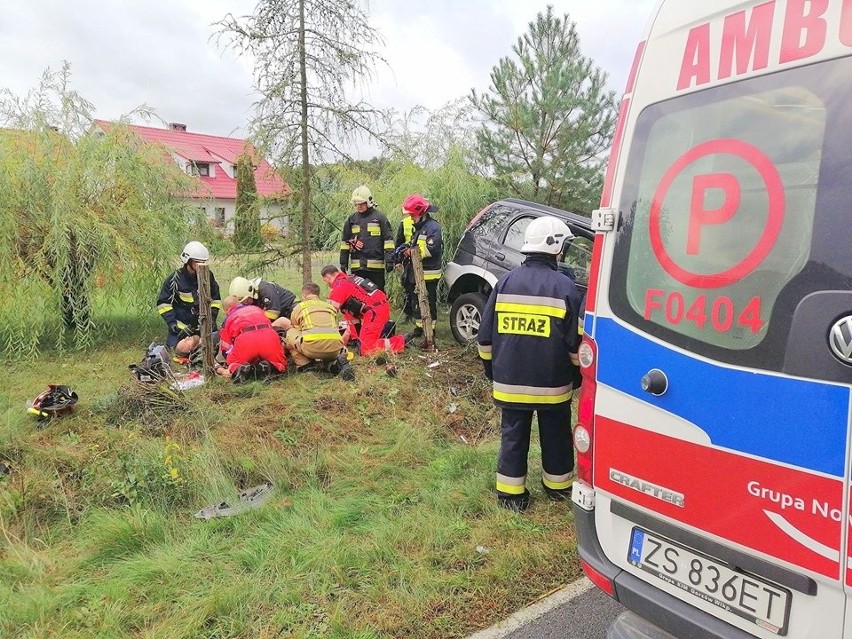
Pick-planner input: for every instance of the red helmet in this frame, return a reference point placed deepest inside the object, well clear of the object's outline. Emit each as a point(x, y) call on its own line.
point(416, 205)
point(56, 400)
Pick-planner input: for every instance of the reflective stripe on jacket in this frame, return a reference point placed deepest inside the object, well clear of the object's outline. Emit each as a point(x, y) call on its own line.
point(315, 319)
point(528, 334)
point(427, 236)
point(177, 302)
point(373, 229)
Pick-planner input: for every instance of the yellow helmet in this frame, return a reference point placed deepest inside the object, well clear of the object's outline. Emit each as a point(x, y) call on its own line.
point(240, 288)
point(362, 195)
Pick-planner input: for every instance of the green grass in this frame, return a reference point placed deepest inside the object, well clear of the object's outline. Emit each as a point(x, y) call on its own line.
point(373, 531)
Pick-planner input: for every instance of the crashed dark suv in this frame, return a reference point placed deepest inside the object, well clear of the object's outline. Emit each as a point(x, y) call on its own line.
point(491, 246)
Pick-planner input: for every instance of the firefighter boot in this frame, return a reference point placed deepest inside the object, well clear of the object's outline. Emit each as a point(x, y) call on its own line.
point(553, 494)
point(244, 373)
point(413, 335)
point(515, 503)
point(347, 373)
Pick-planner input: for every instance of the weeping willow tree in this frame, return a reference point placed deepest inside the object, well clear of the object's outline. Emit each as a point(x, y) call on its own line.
point(85, 221)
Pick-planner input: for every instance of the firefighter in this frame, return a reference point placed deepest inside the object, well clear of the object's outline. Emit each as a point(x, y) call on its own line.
point(403, 241)
point(252, 348)
point(360, 299)
point(178, 300)
point(528, 343)
point(313, 336)
point(276, 301)
point(426, 236)
point(367, 240)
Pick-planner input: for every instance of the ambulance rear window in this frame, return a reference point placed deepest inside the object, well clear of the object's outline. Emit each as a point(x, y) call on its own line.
point(719, 209)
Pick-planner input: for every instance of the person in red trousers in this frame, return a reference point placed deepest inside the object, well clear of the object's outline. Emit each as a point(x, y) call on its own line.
point(247, 340)
point(359, 298)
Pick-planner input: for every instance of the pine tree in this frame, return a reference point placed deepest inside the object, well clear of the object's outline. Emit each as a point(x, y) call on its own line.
point(547, 118)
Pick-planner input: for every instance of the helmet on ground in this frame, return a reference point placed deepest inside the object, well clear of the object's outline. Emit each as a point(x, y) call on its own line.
point(56, 400)
point(362, 195)
point(196, 252)
point(546, 234)
point(240, 288)
point(416, 205)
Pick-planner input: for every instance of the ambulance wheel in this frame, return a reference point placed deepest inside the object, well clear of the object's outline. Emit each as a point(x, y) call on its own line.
point(466, 316)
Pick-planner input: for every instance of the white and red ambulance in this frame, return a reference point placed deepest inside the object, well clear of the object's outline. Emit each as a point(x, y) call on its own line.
point(713, 439)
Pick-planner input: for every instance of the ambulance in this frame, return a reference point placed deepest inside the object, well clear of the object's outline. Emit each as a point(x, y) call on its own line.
point(713, 430)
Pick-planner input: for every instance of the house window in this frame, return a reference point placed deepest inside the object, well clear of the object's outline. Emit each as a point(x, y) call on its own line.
point(219, 217)
point(198, 168)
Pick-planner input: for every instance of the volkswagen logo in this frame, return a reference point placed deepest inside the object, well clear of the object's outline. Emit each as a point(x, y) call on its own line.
point(840, 339)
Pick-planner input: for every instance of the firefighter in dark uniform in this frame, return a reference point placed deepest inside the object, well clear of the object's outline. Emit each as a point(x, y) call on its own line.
point(409, 294)
point(528, 343)
point(177, 303)
point(426, 237)
point(367, 240)
point(276, 301)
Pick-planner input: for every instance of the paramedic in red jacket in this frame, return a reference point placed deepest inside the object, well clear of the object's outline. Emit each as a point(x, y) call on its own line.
point(247, 337)
point(361, 299)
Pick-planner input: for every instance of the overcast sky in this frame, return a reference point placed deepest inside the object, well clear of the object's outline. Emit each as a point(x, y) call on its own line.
point(127, 52)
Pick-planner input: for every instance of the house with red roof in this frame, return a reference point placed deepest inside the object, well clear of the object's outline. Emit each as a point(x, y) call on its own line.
point(212, 159)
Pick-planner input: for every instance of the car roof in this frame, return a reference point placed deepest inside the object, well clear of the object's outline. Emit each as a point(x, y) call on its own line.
point(574, 218)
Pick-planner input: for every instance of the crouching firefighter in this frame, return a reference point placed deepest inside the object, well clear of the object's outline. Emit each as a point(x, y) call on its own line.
point(313, 338)
point(177, 302)
point(276, 301)
point(359, 298)
point(528, 344)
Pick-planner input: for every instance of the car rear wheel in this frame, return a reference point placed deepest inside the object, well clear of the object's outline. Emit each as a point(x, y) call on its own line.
point(466, 315)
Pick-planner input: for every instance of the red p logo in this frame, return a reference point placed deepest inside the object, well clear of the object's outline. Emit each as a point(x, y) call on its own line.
point(699, 216)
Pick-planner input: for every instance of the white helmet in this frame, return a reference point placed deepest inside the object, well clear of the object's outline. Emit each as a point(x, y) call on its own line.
point(240, 288)
point(196, 252)
point(546, 234)
point(362, 195)
point(254, 288)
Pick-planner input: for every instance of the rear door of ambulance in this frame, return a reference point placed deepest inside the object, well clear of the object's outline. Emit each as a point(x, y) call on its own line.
point(722, 317)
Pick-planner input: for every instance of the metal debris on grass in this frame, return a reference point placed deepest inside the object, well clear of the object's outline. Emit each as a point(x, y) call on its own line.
point(249, 499)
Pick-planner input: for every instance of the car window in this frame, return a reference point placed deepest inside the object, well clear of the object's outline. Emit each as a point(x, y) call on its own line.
point(515, 233)
point(491, 220)
point(578, 256)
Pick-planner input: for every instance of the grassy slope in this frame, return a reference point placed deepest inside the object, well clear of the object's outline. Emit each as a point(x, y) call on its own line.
point(383, 497)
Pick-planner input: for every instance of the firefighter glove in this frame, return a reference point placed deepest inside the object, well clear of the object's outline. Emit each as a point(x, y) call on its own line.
point(388, 267)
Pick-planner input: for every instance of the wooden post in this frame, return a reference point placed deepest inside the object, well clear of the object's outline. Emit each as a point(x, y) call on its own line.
point(205, 321)
point(422, 298)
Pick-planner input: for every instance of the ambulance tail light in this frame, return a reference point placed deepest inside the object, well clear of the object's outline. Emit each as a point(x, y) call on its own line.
point(584, 431)
point(599, 579)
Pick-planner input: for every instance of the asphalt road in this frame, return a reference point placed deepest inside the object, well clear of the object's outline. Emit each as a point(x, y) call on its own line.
point(586, 616)
point(578, 611)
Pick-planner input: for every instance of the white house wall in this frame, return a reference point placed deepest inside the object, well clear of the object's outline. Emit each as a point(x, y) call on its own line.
point(269, 214)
